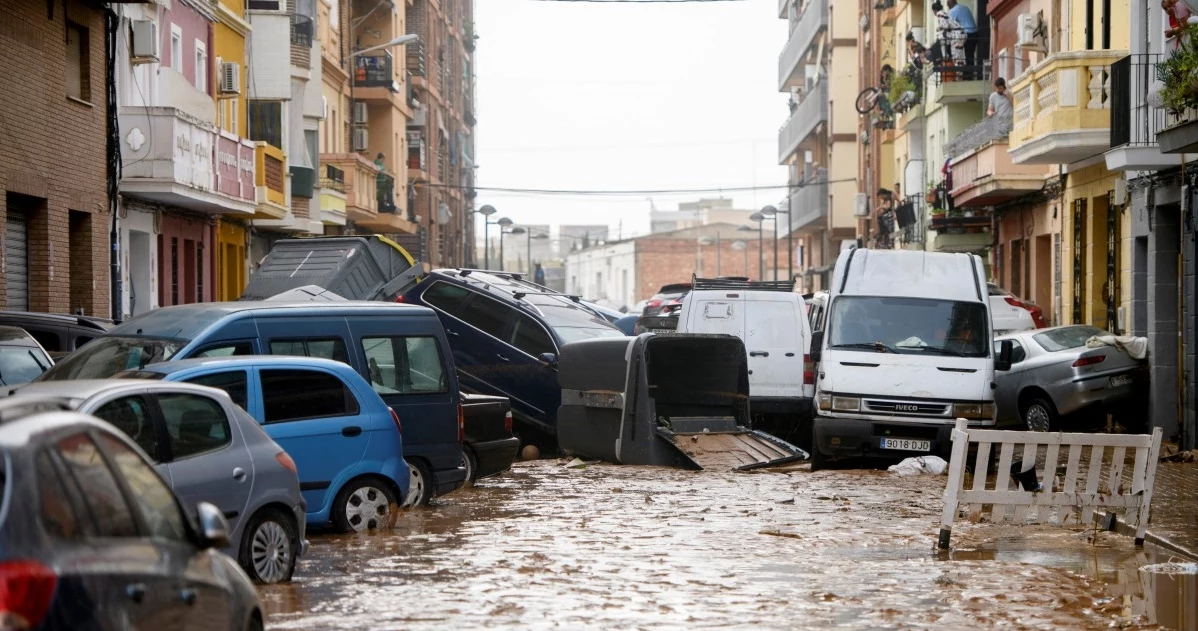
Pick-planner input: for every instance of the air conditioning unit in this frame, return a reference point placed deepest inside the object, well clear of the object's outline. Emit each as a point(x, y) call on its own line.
point(144, 43)
point(1028, 31)
point(861, 209)
point(361, 139)
point(359, 112)
point(230, 78)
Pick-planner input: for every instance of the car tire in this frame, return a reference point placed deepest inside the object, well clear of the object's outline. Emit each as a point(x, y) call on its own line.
point(470, 462)
point(420, 489)
point(817, 458)
point(255, 623)
point(268, 547)
point(364, 504)
point(1039, 414)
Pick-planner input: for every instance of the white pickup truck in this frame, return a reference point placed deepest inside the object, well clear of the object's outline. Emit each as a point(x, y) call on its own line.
point(902, 351)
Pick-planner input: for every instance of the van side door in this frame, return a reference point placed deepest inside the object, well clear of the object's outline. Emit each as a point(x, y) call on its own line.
point(772, 339)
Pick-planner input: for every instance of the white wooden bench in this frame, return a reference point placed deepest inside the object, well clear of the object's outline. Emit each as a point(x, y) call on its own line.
point(1060, 500)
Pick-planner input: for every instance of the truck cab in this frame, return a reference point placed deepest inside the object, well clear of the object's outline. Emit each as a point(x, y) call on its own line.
point(903, 349)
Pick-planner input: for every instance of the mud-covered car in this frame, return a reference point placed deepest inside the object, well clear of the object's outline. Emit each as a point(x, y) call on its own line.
point(489, 446)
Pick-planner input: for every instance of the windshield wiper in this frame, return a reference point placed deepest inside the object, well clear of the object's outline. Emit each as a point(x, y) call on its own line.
point(942, 350)
point(873, 346)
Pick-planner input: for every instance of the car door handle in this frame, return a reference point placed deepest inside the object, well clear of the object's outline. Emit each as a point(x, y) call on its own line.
point(790, 354)
point(759, 354)
point(239, 474)
point(501, 358)
point(351, 431)
point(136, 592)
point(188, 596)
point(451, 333)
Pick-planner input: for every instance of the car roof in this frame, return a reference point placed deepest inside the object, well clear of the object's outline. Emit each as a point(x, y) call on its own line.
point(509, 286)
point(15, 335)
point(170, 367)
point(23, 417)
point(187, 321)
point(674, 288)
point(79, 390)
point(65, 319)
point(1031, 332)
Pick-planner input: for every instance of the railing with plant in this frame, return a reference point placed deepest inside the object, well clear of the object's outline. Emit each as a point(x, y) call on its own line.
point(1179, 73)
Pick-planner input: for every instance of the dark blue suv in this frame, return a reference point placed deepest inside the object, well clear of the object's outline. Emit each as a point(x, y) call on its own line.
point(505, 333)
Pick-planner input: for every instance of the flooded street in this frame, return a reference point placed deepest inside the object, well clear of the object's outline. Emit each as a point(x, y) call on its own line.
point(620, 547)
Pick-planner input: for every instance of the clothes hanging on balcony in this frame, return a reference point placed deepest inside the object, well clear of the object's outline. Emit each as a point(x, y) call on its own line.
point(905, 213)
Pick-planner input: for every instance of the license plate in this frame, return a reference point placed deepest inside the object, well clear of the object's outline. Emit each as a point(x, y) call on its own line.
point(1120, 380)
point(661, 330)
point(906, 444)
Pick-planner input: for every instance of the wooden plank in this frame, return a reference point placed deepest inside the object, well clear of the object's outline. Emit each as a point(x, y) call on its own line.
point(956, 477)
point(1093, 476)
point(1014, 498)
point(1029, 460)
point(998, 514)
point(1060, 438)
point(1114, 481)
point(1075, 456)
point(1154, 455)
point(1050, 478)
point(980, 471)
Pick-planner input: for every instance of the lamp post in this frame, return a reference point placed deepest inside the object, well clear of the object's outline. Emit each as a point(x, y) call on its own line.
point(486, 211)
point(503, 224)
point(702, 241)
point(770, 211)
point(760, 219)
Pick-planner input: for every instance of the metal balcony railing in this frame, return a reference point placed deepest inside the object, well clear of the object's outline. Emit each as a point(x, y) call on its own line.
point(374, 71)
point(975, 136)
point(809, 113)
point(813, 20)
point(333, 178)
point(1133, 122)
point(808, 202)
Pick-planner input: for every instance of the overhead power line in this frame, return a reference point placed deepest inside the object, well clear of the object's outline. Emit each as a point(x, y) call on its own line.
point(660, 191)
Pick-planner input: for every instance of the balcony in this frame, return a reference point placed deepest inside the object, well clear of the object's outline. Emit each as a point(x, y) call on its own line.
point(809, 24)
point(809, 206)
point(957, 84)
point(270, 181)
point(961, 233)
point(390, 218)
point(360, 183)
point(1063, 108)
point(983, 173)
point(806, 118)
point(375, 71)
point(1142, 136)
point(173, 158)
point(332, 196)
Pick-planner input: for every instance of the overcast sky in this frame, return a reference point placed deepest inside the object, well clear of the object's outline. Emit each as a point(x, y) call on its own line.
point(622, 95)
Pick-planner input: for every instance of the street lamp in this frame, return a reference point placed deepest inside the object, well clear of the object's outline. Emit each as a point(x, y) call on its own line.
point(760, 219)
point(398, 41)
point(531, 236)
point(486, 211)
point(705, 240)
point(770, 211)
point(503, 224)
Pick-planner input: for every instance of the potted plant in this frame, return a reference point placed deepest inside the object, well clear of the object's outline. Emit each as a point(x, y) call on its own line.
point(1179, 73)
point(956, 212)
point(900, 85)
point(937, 213)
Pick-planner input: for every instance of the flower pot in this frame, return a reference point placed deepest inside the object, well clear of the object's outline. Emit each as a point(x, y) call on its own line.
point(930, 198)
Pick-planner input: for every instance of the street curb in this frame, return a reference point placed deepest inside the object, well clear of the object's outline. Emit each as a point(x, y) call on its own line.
point(1151, 537)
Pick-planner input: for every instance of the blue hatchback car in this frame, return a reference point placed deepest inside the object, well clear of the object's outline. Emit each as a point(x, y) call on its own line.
point(346, 442)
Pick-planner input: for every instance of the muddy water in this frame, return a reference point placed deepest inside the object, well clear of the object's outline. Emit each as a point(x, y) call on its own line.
point(610, 547)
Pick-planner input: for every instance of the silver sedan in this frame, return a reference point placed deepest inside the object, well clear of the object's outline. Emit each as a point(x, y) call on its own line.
point(1054, 374)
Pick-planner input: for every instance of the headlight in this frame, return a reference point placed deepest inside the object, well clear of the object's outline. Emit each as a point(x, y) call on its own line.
point(846, 404)
point(973, 411)
point(824, 401)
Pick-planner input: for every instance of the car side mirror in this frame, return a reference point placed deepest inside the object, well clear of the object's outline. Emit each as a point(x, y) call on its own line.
point(1005, 350)
point(817, 345)
point(549, 359)
point(214, 529)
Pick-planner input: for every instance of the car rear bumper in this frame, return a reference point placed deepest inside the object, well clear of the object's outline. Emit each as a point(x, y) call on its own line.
point(301, 520)
point(494, 456)
point(1095, 390)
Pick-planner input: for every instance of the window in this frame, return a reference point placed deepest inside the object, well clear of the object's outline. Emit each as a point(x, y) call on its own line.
point(328, 348)
point(292, 395)
point(1065, 338)
point(408, 365)
point(195, 424)
point(49, 340)
point(110, 355)
point(266, 122)
point(177, 48)
point(21, 364)
point(131, 415)
point(58, 518)
point(486, 315)
point(233, 382)
point(106, 505)
point(201, 70)
point(78, 62)
point(909, 325)
point(157, 503)
point(226, 349)
point(531, 337)
point(334, 15)
point(446, 297)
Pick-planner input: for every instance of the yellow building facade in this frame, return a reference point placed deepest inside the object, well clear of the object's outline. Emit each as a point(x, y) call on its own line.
point(230, 32)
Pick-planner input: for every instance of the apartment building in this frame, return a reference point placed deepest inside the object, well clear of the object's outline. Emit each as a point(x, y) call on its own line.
point(54, 157)
point(818, 67)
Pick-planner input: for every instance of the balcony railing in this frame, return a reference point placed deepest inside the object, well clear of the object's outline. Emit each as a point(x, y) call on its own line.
point(810, 113)
point(332, 178)
point(813, 19)
point(1063, 108)
point(1133, 121)
point(374, 71)
point(417, 59)
point(361, 183)
point(809, 203)
point(981, 133)
point(385, 192)
point(271, 174)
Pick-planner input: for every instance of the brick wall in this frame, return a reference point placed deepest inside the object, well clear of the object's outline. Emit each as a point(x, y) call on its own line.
point(52, 157)
point(664, 261)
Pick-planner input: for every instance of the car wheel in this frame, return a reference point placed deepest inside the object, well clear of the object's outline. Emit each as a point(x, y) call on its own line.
point(817, 458)
point(470, 463)
point(362, 505)
point(1040, 415)
point(268, 547)
point(420, 489)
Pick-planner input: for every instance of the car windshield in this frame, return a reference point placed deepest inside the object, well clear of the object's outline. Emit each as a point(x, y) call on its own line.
point(573, 323)
point(1065, 338)
point(108, 355)
point(21, 364)
point(921, 326)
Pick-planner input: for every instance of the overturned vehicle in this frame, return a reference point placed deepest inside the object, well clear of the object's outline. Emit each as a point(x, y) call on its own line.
point(679, 400)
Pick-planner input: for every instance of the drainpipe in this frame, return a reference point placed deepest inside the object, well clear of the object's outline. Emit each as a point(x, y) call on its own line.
point(113, 150)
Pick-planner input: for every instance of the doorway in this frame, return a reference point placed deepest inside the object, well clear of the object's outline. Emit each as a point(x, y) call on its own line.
point(1042, 273)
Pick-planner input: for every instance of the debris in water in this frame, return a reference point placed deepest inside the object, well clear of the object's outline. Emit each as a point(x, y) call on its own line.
point(576, 463)
point(779, 533)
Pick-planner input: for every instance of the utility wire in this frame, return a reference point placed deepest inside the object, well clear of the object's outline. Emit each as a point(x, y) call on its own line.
point(663, 191)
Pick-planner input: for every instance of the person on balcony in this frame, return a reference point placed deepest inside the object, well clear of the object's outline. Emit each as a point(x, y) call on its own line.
point(964, 17)
point(951, 35)
point(1000, 100)
point(1179, 15)
point(915, 51)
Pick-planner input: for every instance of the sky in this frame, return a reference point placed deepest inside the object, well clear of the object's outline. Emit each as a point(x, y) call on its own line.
point(625, 96)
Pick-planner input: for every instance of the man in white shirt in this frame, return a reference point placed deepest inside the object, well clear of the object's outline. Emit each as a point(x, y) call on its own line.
point(1000, 100)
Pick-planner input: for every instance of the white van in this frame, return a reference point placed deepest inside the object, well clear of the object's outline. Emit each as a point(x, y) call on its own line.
point(771, 320)
point(902, 349)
